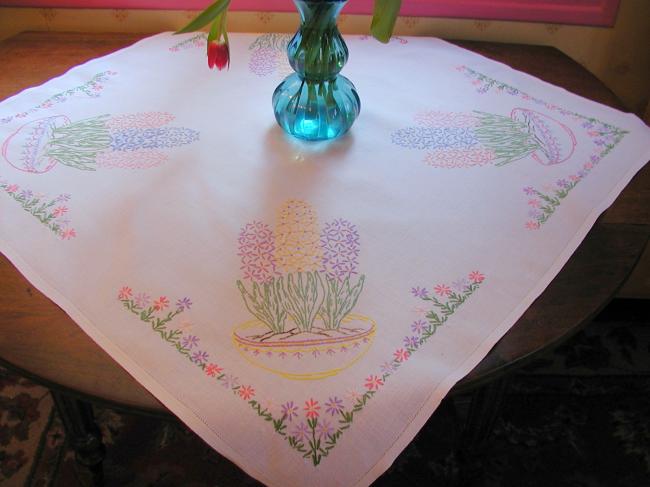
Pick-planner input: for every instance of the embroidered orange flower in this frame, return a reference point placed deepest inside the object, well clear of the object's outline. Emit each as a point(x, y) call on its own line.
point(125, 293)
point(161, 303)
point(246, 392)
point(312, 408)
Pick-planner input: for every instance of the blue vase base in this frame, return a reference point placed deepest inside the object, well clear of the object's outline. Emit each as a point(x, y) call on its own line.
point(316, 110)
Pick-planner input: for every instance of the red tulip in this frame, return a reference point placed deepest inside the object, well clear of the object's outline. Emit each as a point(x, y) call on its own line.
point(218, 55)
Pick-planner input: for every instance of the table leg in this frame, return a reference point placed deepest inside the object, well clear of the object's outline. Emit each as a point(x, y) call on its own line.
point(84, 436)
point(483, 411)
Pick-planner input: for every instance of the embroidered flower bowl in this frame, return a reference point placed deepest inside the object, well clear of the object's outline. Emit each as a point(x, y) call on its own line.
point(26, 149)
point(311, 355)
point(556, 140)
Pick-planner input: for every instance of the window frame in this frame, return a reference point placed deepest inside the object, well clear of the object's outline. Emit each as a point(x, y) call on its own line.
point(577, 12)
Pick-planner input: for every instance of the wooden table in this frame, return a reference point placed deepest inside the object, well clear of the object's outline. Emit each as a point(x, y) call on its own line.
point(41, 341)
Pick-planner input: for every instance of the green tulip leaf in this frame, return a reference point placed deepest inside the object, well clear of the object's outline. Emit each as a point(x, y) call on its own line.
point(205, 17)
point(383, 19)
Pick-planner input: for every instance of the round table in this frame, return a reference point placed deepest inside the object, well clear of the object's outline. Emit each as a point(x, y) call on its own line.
point(40, 341)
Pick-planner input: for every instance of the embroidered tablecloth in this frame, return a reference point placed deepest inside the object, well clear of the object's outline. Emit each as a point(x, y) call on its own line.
point(303, 307)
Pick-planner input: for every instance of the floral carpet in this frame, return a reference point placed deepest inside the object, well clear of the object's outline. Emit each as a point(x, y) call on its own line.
point(579, 416)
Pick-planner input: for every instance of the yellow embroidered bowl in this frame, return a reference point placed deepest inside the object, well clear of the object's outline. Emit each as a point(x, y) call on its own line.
point(311, 355)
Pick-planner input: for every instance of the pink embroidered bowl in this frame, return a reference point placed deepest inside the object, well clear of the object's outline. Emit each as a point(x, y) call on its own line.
point(556, 140)
point(310, 355)
point(26, 148)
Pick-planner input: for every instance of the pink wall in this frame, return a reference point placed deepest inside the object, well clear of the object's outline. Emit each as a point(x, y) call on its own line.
point(581, 12)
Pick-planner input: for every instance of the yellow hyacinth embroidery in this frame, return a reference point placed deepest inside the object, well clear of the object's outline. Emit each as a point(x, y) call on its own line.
point(297, 238)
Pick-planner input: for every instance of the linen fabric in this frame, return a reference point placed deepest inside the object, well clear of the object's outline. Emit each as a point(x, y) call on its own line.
point(303, 307)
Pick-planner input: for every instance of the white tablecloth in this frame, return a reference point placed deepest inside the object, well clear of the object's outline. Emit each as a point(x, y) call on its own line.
point(303, 307)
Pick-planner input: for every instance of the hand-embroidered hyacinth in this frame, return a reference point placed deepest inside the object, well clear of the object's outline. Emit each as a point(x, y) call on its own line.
point(340, 243)
point(257, 252)
point(92, 89)
point(125, 141)
point(51, 212)
point(543, 202)
point(464, 140)
point(313, 426)
point(302, 295)
point(269, 55)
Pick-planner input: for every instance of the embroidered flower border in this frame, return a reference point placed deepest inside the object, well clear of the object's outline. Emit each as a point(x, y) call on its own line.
point(604, 136)
point(50, 212)
point(91, 88)
point(314, 435)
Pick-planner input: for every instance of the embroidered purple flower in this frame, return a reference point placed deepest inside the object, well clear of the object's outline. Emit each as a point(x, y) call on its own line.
point(26, 194)
point(594, 158)
point(418, 326)
point(387, 367)
point(582, 173)
point(324, 429)
point(411, 342)
point(563, 183)
point(460, 286)
point(183, 304)
point(534, 213)
point(420, 292)
point(529, 190)
point(257, 252)
point(200, 357)
point(339, 241)
point(229, 381)
point(63, 197)
point(301, 432)
point(142, 300)
point(334, 405)
point(190, 341)
point(289, 411)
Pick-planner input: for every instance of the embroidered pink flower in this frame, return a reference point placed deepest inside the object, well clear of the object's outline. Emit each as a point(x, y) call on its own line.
point(476, 277)
point(161, 303)
point(125, 293)
point(311, 408)
point(12, 188)
point(246, 392)
point(373, 382)
point(289, 410)
point(212, 370)
point(535, 203)
point(60, 211)
point(68, 234)
point(401, 355)
point(531, 225)
point(142, 300)
point(442, 290)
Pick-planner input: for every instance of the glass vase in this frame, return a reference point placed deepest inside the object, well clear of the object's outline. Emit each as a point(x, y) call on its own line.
point(316, 102)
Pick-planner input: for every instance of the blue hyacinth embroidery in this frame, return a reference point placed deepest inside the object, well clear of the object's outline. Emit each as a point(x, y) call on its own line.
point(131, 141)
point(479, 138)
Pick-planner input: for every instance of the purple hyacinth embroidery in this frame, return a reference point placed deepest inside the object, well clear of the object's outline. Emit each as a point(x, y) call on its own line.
point(257, 252)
point(258, 265)
point(340, 243)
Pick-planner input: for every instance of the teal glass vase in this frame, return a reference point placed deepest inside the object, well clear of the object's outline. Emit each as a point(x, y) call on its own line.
point(316, 102)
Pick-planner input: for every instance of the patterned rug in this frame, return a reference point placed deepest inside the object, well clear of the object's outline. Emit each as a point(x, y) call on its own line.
point(579, 416)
